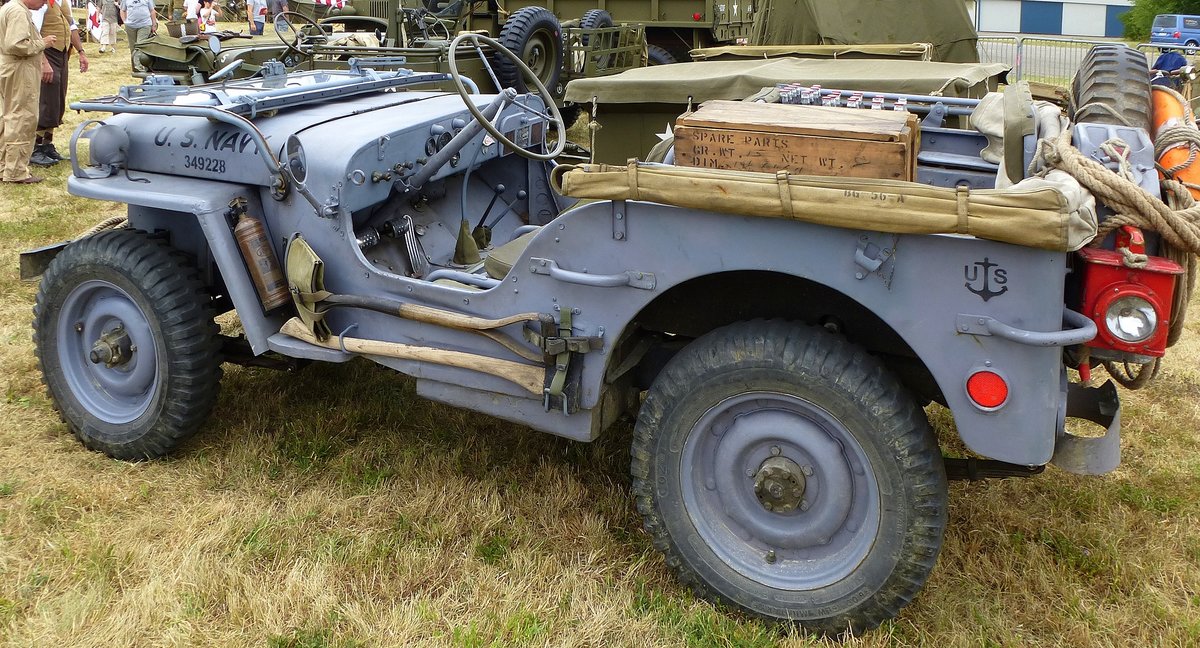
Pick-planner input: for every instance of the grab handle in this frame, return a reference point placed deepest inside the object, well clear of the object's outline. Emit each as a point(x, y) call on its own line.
point(1082, 330)
point(631, 278)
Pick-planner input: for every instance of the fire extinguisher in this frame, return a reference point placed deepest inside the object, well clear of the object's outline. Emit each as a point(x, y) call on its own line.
point(259, 256)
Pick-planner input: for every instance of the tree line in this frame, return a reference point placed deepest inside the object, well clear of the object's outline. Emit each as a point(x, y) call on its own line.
point(1139, 18)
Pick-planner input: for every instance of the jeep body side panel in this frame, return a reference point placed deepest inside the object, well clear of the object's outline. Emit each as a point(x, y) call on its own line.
point(921, 289)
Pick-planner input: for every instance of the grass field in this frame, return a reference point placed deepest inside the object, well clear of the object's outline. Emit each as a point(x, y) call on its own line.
point(334, 508)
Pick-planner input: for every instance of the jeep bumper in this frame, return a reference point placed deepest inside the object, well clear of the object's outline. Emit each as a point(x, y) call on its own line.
point(1091, 455)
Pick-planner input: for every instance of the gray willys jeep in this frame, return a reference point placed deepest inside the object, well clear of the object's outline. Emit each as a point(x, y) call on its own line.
point(777, 367)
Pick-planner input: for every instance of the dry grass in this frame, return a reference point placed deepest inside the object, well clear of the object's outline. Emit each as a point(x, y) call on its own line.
point(334, 508)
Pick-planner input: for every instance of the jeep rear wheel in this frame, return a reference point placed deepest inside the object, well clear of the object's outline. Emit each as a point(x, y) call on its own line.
point(783, 470)
point(125, 337)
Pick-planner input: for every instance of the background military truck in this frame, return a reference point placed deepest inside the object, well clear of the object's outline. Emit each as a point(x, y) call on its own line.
point(673, 27)
point(776, 336)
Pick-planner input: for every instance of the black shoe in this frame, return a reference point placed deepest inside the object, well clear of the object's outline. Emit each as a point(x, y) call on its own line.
point(39, 158)
point(51, 152)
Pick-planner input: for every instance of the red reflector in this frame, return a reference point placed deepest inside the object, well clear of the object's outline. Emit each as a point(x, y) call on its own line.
point(699, 16)
point(987, 389)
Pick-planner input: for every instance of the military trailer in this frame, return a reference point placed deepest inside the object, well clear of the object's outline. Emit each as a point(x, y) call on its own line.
point(775, 334)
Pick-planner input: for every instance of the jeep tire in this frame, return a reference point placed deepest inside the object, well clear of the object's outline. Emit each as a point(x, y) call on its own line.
point(534, 35)
point(785, 471)
point(656, 55)
point(124, 334)
point(1112, 87)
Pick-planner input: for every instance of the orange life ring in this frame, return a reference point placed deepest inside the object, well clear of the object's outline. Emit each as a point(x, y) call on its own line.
point(1167, 110)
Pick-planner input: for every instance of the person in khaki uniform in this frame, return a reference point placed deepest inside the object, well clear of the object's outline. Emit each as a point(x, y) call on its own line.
point(20, 70)
point(56, 20)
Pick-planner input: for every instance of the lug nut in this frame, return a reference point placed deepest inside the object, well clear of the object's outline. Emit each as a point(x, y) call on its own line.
point(804, 505)
point(807, 470)
point(770, 556)
point(775, 451)
point(79, 327)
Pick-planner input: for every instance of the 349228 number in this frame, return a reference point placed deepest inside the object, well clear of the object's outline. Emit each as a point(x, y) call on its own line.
point(201, 163)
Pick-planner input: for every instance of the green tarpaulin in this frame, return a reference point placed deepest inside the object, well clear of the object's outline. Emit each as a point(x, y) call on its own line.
point(701, 81)
point(945, 23)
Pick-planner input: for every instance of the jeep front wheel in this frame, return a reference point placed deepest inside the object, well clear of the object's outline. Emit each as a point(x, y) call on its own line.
point(125, 337)
point(783, 470)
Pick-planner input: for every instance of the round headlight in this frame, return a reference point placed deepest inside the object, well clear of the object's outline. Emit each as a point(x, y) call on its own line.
point(294, 159)
point(1131, 319)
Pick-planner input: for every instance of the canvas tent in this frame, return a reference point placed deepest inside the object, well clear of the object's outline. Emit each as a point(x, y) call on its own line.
point(945, 23)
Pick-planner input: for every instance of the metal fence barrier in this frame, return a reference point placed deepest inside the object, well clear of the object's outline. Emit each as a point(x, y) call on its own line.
point(1000, 49)
point(1154, 50)
point(1049, 60)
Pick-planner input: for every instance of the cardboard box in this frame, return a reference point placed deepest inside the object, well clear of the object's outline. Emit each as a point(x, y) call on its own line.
point(808, 140)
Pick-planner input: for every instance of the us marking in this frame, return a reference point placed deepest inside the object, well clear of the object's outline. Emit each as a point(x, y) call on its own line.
point(982, 275)
point(218, 140)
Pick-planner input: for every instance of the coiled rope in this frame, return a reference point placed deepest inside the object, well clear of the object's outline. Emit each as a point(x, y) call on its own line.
point(106, 224)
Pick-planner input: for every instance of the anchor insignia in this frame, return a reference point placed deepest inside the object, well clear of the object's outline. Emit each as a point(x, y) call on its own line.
point(982, 275)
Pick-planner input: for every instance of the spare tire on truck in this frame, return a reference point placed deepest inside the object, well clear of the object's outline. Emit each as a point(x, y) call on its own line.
point(534, 35)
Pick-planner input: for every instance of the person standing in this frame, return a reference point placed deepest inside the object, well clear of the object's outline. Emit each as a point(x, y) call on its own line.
point(191, 8)
point(140, 21)
point(275, 8)
point(109, 10)
point(256, 16)
point(20, 64)
point(206, 16)
point(56, 21)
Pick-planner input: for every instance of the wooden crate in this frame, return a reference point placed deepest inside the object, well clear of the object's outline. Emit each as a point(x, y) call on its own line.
point(809, 140)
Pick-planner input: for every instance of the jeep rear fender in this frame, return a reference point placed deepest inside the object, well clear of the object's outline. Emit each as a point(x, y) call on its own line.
point(919, 287)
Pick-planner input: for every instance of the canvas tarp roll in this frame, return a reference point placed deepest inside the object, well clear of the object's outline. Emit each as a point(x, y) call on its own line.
point(908, 51)
point(1052, 213)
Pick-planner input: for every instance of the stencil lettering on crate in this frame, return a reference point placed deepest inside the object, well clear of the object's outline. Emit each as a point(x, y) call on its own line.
point(768, 153)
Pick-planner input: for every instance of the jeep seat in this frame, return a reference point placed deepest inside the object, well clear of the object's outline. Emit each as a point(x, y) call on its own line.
point(501, 260)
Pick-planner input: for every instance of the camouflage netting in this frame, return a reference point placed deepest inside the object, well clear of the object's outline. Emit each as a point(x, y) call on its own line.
point(945, 23)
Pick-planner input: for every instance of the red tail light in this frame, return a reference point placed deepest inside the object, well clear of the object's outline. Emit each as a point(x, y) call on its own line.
point(1131, 306)
point(987, 389)
point(1175, 35)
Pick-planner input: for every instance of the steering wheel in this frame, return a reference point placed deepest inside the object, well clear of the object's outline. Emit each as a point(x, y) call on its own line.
point(553, 120)
point(299, 43)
